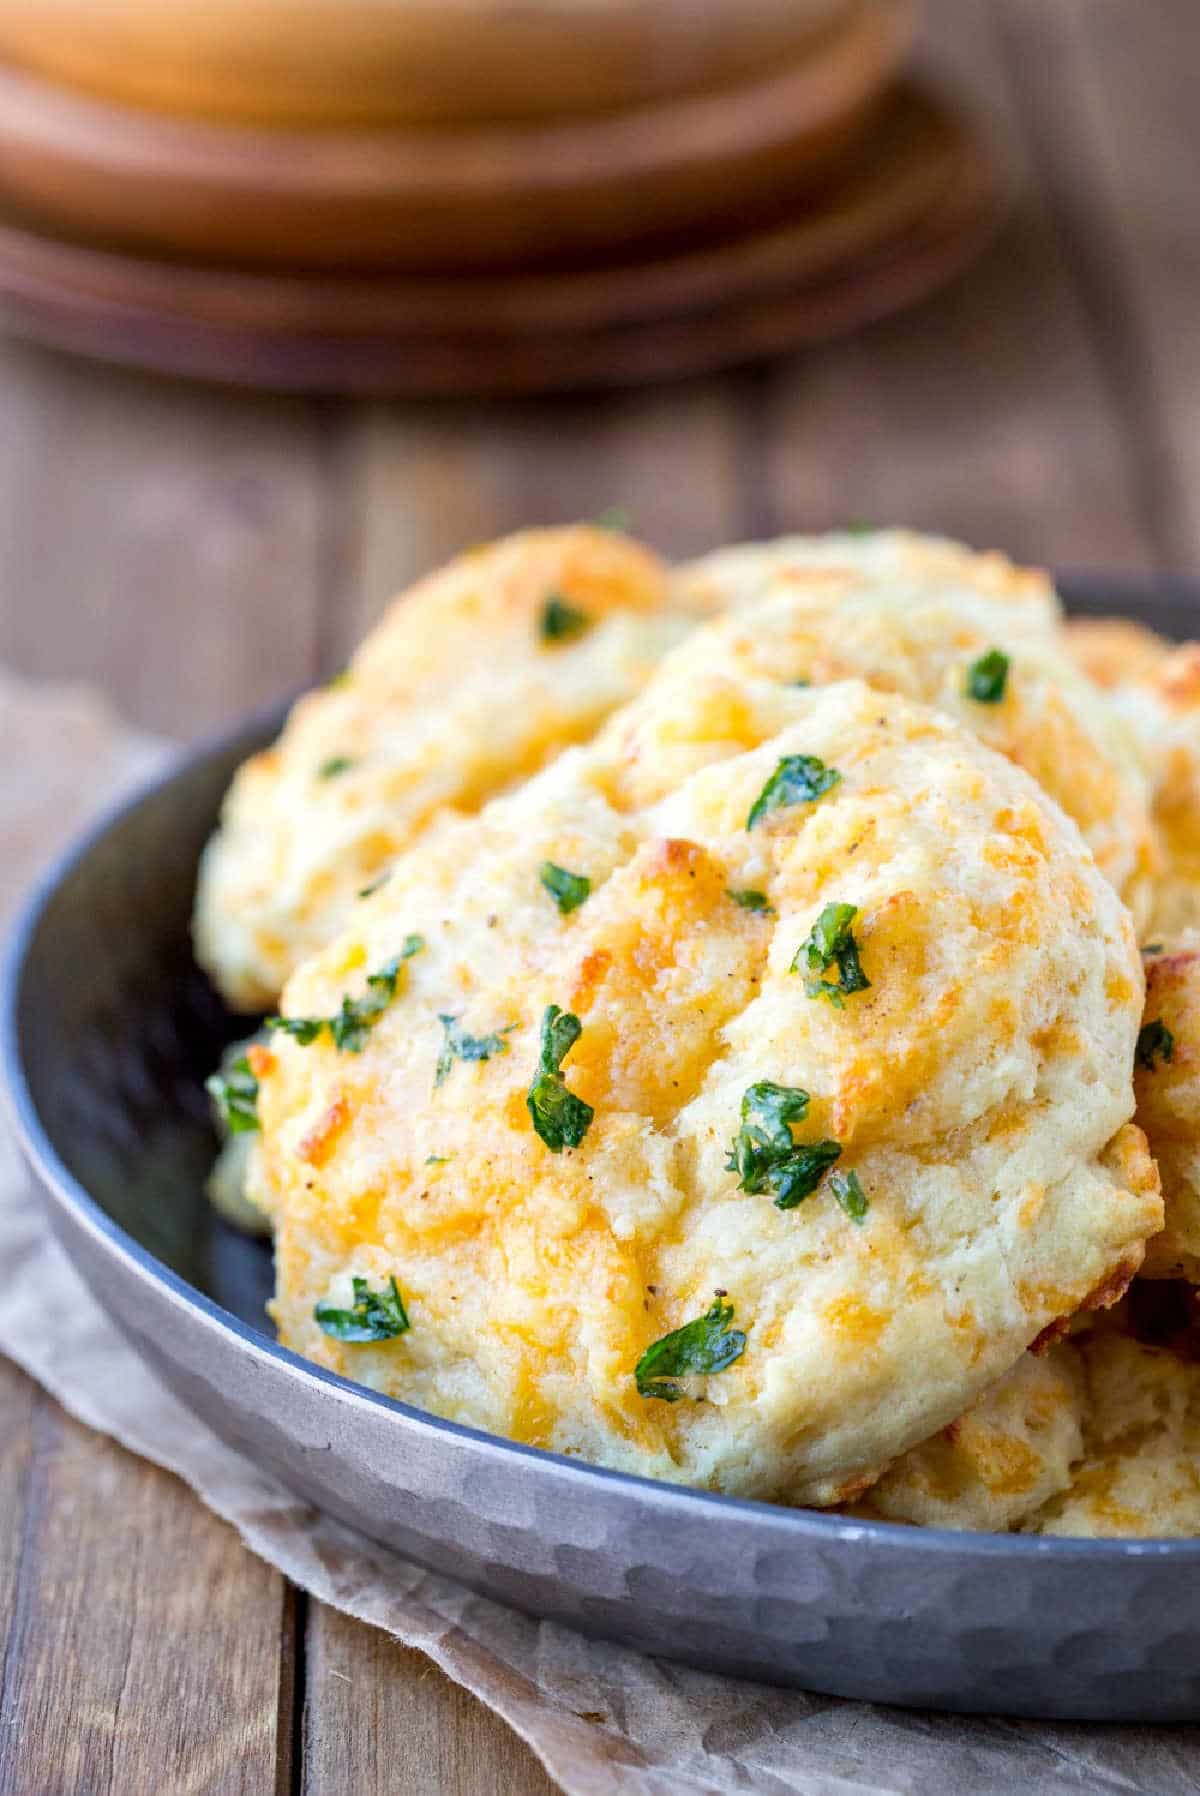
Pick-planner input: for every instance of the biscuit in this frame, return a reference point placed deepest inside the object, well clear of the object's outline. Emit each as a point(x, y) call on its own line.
point(558, 1201)
point(1155, 688)
point(925, 632)
point(471, 681)
point(1001, 1462)
point(1140, 1472)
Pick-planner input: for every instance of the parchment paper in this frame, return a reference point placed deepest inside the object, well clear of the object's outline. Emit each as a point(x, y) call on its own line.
point(604, 1721)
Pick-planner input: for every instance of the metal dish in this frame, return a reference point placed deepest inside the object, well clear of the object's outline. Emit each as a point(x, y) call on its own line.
point(108, 1030)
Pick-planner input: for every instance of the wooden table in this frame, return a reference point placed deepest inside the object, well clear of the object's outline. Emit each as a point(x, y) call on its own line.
point(196, 552)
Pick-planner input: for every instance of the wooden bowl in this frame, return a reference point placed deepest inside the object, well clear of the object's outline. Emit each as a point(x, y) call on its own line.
point(496, 195)
point(331, 63)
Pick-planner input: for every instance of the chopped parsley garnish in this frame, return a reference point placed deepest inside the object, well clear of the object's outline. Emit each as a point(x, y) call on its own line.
point(304, 1029)
point(560, 621)
point(340, 678)
point(357, 1016)
point(1154, 1039)
point(614, 517)
point(437, 1159)
point(850, 1194)
point(329, 770)
point(859, 527)
point(831, 943)
point(559, 1117)
point(1153, 948)
point(375, 886)
point(235, 1092)
point(798, 779)
point(763, 1153)
point(458, 1045)
point(568, 890)
point(987, 677)
point(706, 1345)
point(376, 1315)
point(750, 900)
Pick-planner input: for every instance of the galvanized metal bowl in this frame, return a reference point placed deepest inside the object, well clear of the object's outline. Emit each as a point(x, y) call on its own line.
point(108, 1032)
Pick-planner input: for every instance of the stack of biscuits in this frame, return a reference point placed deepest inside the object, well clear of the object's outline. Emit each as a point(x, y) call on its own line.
point(739, 1023)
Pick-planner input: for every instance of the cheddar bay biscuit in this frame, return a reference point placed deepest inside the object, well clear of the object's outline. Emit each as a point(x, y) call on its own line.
point(736, 1113)
point(1154, 687)
point(471, 681)
point(1139, 1475)
point(968, 634)
point(998, 1464)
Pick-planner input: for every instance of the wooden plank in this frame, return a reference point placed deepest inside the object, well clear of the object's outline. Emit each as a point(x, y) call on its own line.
point(986, 412)
point(429, 481)
point(161, 538)
point(143, 1641)
point(1109, 94)
point(383, 1718)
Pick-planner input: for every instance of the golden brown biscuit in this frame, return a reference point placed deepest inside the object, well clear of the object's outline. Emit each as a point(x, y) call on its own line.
point(471, 681)
point(972, 1089)
point(924, 566)
point(1115, 650)
point(929, 635)
point(998, 1464)
point(1167, 1085)
point(1140, 1471)
point(1156, 689)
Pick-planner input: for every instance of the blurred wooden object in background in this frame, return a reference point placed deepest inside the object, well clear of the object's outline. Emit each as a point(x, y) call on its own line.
point(675, 233)
point(330, 63)
point(476, 196)
point(911, 207)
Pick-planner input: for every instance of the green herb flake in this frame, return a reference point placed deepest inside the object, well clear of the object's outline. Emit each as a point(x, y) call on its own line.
point(750, 900)
point(763, 1153)
point(1153, 948)
point(437, 1159)
point(235, 1092)
point(706, 1345)
point(376, 885)
point(340, 678)
point(798, 779)
point(375, 1316)
point(615, 518)
point(335, 765)
point(357, 1016)
point(1154, 1040)
point(304, 1029)
point(850, 1194)
point(831, 943)
point(860, 527)
point(988, 677)
point(568, 890)
point(559, 1117)
point(561, 621)
point(458, 1045)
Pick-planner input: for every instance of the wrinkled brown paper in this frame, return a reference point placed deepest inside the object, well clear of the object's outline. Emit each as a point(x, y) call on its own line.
point(605, 1721)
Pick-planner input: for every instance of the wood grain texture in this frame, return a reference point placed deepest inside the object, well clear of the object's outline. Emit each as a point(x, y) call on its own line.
point(1108, 93)
point(381, 1718)
point(143, 1642)
point(160, 539)
point(987, 413)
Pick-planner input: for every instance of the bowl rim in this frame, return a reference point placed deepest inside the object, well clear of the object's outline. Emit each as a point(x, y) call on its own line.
point(62, 1188)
